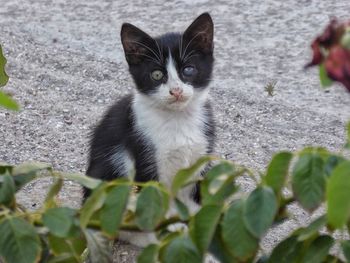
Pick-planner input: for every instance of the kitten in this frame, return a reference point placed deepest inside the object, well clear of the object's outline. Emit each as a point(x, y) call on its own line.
point(167, 123)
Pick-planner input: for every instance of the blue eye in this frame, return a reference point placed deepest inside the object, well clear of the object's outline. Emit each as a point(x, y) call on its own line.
point(189, 71)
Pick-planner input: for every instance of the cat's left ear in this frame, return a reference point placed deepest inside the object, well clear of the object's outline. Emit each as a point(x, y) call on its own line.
point(200, 33)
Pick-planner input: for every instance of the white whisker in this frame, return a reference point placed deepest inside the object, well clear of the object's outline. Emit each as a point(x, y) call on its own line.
point(141, 44)
point(184, 53)
point(144, 55)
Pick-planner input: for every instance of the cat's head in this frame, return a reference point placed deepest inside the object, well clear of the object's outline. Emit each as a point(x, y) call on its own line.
point(173, 70)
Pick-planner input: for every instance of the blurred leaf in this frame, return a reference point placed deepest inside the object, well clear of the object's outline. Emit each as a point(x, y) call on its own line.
point(347, 145)
point(182, 210)
point(309, 181)
point(73, 246)
point(92, 204)
point(236, 237)
point(184, 175)
point(218, 184)
point(7, 102)
point(59, 220)
point(325, 80)
point(63, 258)
point(3, 76)
point(99, 247)
point(84, 180)
point(203, 225)
point(7, 190)
point(219, 250)
point(312, 229)
point(181, 249)
point(338, 201)
point(53, 192)
point(150, 207)
point(332, 162)
point(318, 250)
point(260, 210)
point(286, 251)
point(149, 254)
point(5, 167)
point(113, 209)
point(346, 249)
point(19, 241)
point(277, 171)
point(30, 168)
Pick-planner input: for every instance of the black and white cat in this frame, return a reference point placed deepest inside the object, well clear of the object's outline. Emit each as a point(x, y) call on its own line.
point(167, 123)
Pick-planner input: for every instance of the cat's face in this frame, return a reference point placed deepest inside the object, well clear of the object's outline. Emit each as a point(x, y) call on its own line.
point(173, 70)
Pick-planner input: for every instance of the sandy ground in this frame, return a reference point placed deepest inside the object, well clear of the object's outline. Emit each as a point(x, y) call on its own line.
point(66, 66)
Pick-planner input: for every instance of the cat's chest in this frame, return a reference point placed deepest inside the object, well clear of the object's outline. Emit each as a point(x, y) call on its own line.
point(178, 141)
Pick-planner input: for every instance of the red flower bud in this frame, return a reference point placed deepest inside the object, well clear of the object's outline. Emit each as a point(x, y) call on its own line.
point(337, 65)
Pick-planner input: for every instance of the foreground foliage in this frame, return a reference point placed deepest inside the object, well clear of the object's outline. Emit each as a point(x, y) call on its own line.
point(230, 224)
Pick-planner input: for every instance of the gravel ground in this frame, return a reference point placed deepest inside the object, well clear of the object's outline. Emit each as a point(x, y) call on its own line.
point(66, 66)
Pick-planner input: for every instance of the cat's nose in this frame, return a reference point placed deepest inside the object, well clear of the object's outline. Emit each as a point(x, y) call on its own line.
point(176, 92)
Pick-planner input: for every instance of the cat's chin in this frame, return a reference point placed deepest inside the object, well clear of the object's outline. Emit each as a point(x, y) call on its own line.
point(177, 105)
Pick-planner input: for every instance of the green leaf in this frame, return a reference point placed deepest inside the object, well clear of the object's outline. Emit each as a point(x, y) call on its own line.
point(181, 249)
point(5, 167)
point(287, 251)
point(277, 171)
point(19, 241)
point(113, 209)
point(151, 206)
point(184, 175)
point(312, 229)
point(59, 221)
point(99, 247)
point(149, 254)
point(325, 80)
point(73, 246)
point(309, 180)
point(30, 168)
point(218, 184)
point(7, 102)
point(3, 76)
point(53, 192)
point(235, 236)
point(7, 190)
point(260, 210)
point(92, 204)
point(219, 250)
point(332, 162)
point(203, 225)
point(318, 250)
point(338, 201)
point(182, 210)
point(86, 181)
point(347, 145)
point(345, 245)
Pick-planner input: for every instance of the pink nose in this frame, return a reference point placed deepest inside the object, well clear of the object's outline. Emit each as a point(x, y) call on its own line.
point(176, 92)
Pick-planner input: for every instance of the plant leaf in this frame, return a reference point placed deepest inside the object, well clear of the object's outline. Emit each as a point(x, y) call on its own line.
point(203, 225)
point(59, 220)
point(53, 192)
point(346, 249)
point(7, 102)
point(182, 209)
point(73, 246)
point(99, 247)
point(181, 249)
point(148, 254)
point(318, 250)
point(338, 189)
point(286, 252)
point(219, 250)
point(113, 209)
point(277, 171)
point(84, 180)
point(312, 229)
point(151, 206)
point(235, 236)
point(184, 175)
point(7, 190)
point(309, 180)
point(347, 144)
point(19, 241)
point(260, 210)
point(325, 80)
point(3, 76)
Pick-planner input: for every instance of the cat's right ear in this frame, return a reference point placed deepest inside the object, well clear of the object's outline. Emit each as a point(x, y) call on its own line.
point(135, 42)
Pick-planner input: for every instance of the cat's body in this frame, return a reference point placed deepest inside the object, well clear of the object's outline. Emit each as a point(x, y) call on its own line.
point(167, 123)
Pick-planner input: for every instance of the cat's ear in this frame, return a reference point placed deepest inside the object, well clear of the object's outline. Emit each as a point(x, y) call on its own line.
point(136, 43)
point(200, 33)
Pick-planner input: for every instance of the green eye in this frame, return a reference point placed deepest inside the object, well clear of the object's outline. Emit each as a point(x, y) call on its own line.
point(157, 75)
